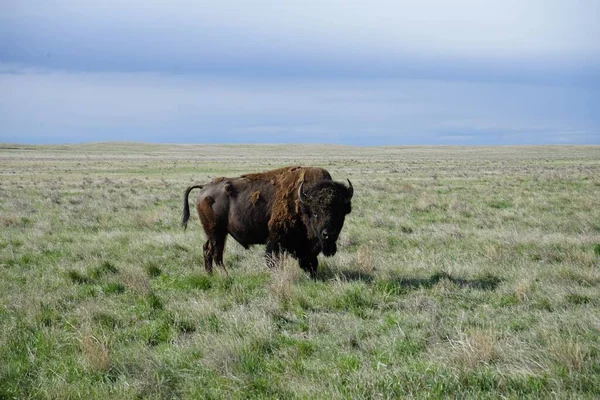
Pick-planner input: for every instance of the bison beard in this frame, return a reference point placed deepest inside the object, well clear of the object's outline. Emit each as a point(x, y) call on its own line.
point(329, 248)
point(298, 210)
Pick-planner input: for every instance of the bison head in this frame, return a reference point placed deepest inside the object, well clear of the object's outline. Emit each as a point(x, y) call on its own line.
point(324, 206)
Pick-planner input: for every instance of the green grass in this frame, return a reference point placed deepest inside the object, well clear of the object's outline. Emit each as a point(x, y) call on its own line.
point(462, 272)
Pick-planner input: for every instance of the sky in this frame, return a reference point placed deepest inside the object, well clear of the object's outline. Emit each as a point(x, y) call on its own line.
point(461, 72)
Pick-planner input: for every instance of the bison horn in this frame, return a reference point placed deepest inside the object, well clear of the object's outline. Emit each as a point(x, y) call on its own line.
point(301, 194)
point(350, 190)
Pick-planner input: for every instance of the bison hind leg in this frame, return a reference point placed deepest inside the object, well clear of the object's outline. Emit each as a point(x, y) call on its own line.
point(218, 254)
point(213, 252)
point(208, 256)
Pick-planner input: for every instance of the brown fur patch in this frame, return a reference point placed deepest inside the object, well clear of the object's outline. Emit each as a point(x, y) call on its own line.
point(207, 215)
point(255, 197)
point(285, 214)
point(272, 175)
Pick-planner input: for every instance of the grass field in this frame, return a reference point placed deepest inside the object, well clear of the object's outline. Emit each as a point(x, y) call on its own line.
point(462, 272)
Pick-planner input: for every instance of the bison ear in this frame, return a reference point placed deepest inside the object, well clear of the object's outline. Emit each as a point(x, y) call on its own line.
point(301, 195)
point(350, 191)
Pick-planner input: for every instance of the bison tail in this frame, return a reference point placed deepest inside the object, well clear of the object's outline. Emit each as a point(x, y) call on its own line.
point(185, 215)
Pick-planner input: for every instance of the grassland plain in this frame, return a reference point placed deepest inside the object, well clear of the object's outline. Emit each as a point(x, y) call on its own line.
point(462, 272)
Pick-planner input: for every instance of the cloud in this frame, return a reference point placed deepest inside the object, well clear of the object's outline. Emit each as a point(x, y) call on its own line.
point(380, 72)
point(541, 27)
point(39, 105)
point(480, 40)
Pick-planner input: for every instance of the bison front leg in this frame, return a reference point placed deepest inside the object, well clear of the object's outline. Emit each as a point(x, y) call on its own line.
point(272, 255)
point(310, 264)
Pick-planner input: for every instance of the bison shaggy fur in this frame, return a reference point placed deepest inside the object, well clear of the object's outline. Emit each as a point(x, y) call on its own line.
point(298, 210)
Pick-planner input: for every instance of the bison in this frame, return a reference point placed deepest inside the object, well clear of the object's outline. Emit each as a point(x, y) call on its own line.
point(299, 210)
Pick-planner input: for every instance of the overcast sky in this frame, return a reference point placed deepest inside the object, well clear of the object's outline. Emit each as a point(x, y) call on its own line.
point(369, 72)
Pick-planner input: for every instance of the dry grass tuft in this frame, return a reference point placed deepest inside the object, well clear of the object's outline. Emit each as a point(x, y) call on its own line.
point(365, 260)
point(347, 240)
point(571, 354)
point(284, 277)
point(422, 302)
point(95, 351)
point(150, 220)
point(498, 254)
point(136, 280)
point(426, 202)
point(523, 290)
point(221, 353)
point(444, 286)
point(9, 220)
point(459, 206)
point(473, 348)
